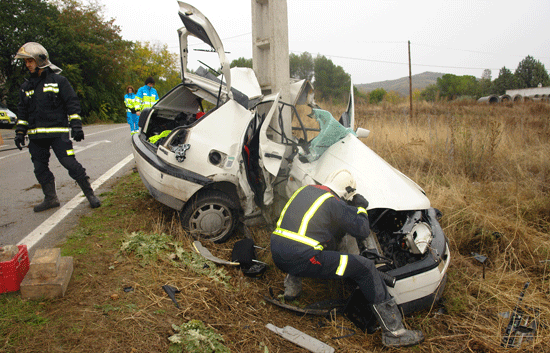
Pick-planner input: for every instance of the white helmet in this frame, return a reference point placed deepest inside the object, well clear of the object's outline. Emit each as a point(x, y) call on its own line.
point(32, 50)
point(342, 183)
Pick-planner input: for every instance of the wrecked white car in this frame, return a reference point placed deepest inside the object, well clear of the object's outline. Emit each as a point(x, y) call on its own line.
point(220, 153)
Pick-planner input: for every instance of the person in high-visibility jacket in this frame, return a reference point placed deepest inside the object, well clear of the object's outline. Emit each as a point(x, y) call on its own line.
point(312, 222)
point(48, 110)
point(146, 96)
point(130, 102)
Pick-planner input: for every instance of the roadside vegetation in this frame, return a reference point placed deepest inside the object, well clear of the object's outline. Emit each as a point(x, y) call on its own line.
point(485, 167)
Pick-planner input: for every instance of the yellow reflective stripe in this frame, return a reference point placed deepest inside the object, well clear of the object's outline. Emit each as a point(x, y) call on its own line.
point(311, 212)
point(342, 266)
point(29, 93)
point(22, 122)
point(301, 235)
point(51, 87)
point(361, 210)
point(299, 238)
point(48, 130)
point(70, 152)
point(288, 204)
point(74, 116)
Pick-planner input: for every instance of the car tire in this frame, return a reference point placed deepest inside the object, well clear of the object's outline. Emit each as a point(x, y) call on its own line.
point(211, 215)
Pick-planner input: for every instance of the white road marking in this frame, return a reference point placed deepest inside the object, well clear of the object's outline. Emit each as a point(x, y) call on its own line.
point(94, 133)
point(36, 235)
point(93, 144)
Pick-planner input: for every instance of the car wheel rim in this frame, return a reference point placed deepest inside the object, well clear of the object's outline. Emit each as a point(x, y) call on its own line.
point(211, 221)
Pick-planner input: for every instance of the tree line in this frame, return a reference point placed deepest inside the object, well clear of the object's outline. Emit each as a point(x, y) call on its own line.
point(90, 50)
point(529, 73)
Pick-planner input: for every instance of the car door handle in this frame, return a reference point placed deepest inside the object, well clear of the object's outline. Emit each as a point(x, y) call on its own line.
point(271, 155)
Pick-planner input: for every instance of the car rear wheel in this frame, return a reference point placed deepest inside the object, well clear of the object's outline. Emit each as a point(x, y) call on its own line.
point(211, 215)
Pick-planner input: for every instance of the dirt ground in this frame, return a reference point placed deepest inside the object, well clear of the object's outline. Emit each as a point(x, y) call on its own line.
point(115, 301)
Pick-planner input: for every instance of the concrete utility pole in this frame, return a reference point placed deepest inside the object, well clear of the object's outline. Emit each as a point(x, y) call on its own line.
point(410, 84)
point(270, 46)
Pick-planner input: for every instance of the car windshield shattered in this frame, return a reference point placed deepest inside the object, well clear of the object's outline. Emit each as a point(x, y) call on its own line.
point(331, 131)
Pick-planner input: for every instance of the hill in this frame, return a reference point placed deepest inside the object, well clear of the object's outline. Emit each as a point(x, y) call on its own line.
point(401, 85)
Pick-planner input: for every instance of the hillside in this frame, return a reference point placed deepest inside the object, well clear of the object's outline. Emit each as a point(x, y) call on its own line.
point(401, 85)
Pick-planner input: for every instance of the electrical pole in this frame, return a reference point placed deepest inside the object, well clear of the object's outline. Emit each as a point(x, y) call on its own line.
point(410, 84)
point(270, 50)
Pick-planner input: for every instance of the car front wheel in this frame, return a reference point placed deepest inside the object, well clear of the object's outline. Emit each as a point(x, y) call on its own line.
point(211, 215)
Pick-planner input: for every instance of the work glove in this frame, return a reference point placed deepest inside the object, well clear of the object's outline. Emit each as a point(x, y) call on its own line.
point(19, 140)
point(359, 201)
point(77, 134)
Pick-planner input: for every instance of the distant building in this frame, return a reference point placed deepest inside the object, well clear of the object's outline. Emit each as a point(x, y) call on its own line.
point(536, 93)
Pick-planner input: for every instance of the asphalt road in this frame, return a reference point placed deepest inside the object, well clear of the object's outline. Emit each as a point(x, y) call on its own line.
point(104, 148)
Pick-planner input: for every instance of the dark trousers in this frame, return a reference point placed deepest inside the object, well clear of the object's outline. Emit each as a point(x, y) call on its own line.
point(63, 148)
point(324, 264)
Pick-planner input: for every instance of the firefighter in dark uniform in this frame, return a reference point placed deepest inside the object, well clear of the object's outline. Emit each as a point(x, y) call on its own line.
point(48, 110)
point(314, 219)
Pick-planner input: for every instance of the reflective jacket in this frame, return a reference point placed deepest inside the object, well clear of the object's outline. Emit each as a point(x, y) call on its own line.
point(130, 101)
point(48, 106)
point(146, 97)
point(313, 218)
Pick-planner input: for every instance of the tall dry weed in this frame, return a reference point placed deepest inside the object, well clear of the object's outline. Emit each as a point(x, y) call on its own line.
point(487, 168)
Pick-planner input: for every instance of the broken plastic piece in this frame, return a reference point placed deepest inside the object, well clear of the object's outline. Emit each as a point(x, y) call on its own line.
point(171, 291)
point(208, 255)
point(301, 339)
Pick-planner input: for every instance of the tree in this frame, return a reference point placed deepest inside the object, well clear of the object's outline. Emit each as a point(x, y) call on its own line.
point(430, 93)
point(302, 66)
point(153, 60)
point(331, 81)
point(88, 48)
point(504, 81)
point(485, 84)
point(92, 54)
point(531, 73)
point(376, 96)
point(452, 86)
point(241, 62)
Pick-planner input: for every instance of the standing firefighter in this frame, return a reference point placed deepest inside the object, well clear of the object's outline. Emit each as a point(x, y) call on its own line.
point(316, 218)
point(48, 109)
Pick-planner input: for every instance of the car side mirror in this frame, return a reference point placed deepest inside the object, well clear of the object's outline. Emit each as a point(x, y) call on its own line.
point(362, 133)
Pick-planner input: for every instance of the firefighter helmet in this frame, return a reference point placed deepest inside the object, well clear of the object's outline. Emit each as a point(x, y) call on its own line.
point(32, 50)
point(342, 183)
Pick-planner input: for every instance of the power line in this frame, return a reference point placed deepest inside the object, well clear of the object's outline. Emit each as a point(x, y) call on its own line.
point(401, 63)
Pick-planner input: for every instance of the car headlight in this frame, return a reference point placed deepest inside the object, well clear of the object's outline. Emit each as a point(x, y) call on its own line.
point(419, 238)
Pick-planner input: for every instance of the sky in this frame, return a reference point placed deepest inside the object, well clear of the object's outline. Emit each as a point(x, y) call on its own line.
point(367, 38)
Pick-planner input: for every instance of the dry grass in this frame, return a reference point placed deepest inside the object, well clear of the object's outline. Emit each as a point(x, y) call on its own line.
point(485, 167)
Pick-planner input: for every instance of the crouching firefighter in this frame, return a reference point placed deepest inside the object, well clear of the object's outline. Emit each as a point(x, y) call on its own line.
point(317, 216)
point(48, 110)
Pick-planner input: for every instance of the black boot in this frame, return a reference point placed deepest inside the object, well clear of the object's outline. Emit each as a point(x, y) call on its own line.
point(394, 333)
point(84, 184)
point(50, 198)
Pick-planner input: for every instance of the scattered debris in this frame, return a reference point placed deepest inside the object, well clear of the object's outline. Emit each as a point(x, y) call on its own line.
point(301, 339)
point(208, 255)
point(520, 326)
point(171, 291)
point(482, 259)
